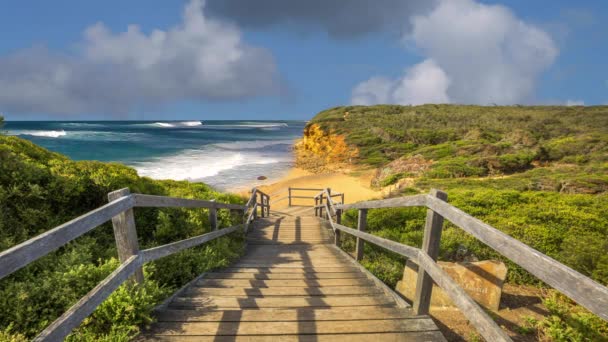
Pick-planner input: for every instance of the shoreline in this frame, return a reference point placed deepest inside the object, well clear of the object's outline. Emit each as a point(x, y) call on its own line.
point(355, 188)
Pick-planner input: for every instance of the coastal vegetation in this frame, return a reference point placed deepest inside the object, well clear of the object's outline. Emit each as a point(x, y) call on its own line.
point(539, 174)
point(40, 189)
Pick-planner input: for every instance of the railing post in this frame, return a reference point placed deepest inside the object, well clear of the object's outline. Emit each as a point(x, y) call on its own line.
point(361, 226)
point(430, 246)
point(267, 205)
point(328, 201)
point(125, 234)
point(342, 198)
point(213, 217)
point(289, 195)
point(316, 204)
point(321, 203)
point(262, 205)
point(339, 216)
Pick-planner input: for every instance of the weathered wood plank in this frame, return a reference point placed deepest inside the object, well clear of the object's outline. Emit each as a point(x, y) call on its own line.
point(283, 291)
point(276, 276)
point(282, 302)
point(573, 284)
point(72, 318)
point(175, 202)
point(125, 233)
point(283, 283)
point(26, 252)
point(430, 246)
point(484, 324)
point(362, 227)
point(283, 315)
point(409, 336)
point(171, 248)
point(213, 218)
point(409, 201)
point(406, 251)
point(273, 270)
point(287, 328)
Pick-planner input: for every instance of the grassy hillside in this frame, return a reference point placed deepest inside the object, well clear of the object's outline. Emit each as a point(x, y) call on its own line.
point(40, 189)
point(540, 174)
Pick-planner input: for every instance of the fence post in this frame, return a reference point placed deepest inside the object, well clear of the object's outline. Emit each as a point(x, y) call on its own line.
point(361, 226)
point(262, 204)
point(316, 204)
point(267, 205)
point(342, 198)
point(321, 203)
point(255, 207)
point(213, 217)
point(430, 246)
point(125, 234)
point(339, 216)
point(289, 195)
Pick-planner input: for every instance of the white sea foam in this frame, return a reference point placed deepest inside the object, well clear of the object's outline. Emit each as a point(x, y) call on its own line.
point(270, 125)
point(178, 124)
point(48, 134)
point(194, 165)
point(251, 144)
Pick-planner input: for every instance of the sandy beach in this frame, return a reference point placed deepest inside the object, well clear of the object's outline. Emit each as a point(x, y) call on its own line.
point(355, 188)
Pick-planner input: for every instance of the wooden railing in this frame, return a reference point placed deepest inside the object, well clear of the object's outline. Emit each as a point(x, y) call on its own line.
point(291, 190)
point(120, 211)
point(263, 204)
point(573, 284)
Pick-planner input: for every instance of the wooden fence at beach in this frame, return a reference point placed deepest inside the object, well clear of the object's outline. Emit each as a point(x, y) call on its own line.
point(291, 195)
point(578, 287)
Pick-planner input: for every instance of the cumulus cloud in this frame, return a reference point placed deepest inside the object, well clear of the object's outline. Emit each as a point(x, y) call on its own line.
point(423, 83)
point(486, 54)
point(339, 18)
point(572, 103)
point(202, 58)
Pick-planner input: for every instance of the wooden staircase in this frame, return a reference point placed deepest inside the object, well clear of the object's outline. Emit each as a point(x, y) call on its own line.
point(292, 284)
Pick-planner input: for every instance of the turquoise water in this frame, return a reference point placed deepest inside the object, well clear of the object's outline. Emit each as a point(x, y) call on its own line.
point(224, 154)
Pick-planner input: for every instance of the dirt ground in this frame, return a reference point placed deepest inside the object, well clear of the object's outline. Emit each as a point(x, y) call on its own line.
point(517, 302)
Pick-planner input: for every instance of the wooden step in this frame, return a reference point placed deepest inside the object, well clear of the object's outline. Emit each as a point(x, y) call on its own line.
point(276, 276)
point(286, 242)
point(294, 264)
point(410, 336)
point(284, 315)
point(272, 283)
point(272, 270)
point(283, 291)
point(282, 302)
point(291, 285)
point(294, 328)
point(302, 259)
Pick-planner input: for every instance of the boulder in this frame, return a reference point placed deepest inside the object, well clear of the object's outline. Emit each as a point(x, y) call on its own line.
point(482, 280)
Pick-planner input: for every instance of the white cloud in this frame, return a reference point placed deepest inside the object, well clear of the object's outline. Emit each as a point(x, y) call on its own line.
point(202, 58)
point(423, 83)
point(486, 52)
point(571, 103)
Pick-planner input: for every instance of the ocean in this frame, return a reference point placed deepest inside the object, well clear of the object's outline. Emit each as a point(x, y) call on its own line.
point(223, 154)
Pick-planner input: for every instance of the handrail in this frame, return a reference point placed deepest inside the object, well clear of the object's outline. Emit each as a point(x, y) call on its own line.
point(573, 284)
point(28, 251)
point(119, 210)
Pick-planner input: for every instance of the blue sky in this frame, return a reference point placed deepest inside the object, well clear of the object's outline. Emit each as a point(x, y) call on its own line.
point(290, 63)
